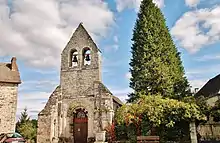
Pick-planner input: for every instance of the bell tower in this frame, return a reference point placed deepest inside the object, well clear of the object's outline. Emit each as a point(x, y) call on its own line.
point(80, 64)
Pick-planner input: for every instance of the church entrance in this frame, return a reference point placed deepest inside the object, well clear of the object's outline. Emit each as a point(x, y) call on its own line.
point(80, 126)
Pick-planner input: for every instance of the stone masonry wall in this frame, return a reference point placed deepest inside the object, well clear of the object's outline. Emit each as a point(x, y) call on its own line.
point(80, 87)
point(76, 83)
point(8, 106)
point(44, 130)
point(75, 80)
point(48, 120)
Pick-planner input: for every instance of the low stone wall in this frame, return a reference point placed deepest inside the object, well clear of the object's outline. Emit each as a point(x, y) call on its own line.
point(209, 131)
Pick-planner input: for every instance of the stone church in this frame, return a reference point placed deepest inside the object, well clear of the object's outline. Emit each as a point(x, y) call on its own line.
point(9, 81)
point(81, 107)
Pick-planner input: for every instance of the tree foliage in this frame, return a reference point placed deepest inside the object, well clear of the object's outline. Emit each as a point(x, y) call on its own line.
point(158, 111)
point(24, 116)
point(27, 127)
point(215, 111)
point(28, 131)
point(156, 66)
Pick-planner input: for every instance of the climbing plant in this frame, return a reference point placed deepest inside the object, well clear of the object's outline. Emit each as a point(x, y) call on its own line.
point(215, 111)
point(71, 109)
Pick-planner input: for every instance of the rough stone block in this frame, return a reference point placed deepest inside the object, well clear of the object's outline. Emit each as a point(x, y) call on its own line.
point(100, 136)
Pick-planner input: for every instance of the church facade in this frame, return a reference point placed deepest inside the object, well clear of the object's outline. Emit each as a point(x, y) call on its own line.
point(81, 106)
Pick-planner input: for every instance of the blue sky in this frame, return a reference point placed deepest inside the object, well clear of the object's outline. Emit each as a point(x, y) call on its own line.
point(37, 31)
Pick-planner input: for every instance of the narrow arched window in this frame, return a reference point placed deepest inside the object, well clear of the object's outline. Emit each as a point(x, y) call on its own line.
point(54, 133)
point(86, 56)
point(73, 58)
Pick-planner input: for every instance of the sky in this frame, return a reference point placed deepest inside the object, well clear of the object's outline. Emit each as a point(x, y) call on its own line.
point(37, 31)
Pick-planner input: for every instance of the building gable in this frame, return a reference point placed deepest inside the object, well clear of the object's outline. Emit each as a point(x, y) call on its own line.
point(211, 88)
point(78, 43)
point(9, 72)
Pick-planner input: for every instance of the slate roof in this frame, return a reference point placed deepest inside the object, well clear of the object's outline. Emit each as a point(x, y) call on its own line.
point(7, 75)
point(211, 88)
point(117, 100)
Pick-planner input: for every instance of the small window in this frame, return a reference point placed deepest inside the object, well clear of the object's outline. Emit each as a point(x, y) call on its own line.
point(87, 56)
point(81, 114)
point(73, 58)
point(54, 128)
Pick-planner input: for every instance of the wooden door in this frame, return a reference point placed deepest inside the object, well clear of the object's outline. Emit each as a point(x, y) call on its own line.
point(80, 127)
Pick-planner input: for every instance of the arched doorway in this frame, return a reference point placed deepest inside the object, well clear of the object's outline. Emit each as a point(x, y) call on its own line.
point(80, 126)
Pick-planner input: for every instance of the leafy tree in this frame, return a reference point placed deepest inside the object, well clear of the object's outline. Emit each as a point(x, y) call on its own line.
point(27, 127)
point(34, 122)
point(23, 119)
point(156, 66)
point(28, 131)
point(215, 111)
point(158, 111)
point(163, 114)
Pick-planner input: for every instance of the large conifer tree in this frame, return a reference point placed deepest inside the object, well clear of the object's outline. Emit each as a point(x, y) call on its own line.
point(156, 66)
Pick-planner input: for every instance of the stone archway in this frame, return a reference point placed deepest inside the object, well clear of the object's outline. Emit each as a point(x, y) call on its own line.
point(84, 104)
point(71, 110)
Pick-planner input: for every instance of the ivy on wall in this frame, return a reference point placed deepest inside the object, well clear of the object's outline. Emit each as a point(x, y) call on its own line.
point(71, 110)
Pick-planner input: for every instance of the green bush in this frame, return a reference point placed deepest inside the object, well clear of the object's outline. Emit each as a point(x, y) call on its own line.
point(170, 117)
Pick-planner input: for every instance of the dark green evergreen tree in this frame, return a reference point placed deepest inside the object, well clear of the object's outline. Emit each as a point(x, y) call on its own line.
point(24, 116)
point(156, 65)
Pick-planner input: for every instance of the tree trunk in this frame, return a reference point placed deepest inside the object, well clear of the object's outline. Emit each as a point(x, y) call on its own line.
point(153, 131)
point(193, 135)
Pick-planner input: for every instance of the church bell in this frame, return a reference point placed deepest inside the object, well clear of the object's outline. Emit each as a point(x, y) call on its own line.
point(87, 57)
point(75, 59)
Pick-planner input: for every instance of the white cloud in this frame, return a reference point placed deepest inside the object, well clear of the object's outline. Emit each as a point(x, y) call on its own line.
point(115, 38)
point(209, 69)
point(33, 101)
point(200, 75)
point(128, 75)
point(122, 94)
point(111, 48)
point(159, 3)
point(34, 94)
point(134, 4)
point(37, 31)
point(208, 57)
point(198, 83)
point(38, 85)
point(114, 47)
point(124, 4)
point(199, 28)
point(192, 3)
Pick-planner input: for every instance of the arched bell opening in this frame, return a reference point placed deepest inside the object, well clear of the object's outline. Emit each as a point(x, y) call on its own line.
point(86, 56)
point(73, 58)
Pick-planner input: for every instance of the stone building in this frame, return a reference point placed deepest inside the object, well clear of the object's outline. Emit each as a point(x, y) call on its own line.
point(81, 106)
point(9, 81)
point(210, 92)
